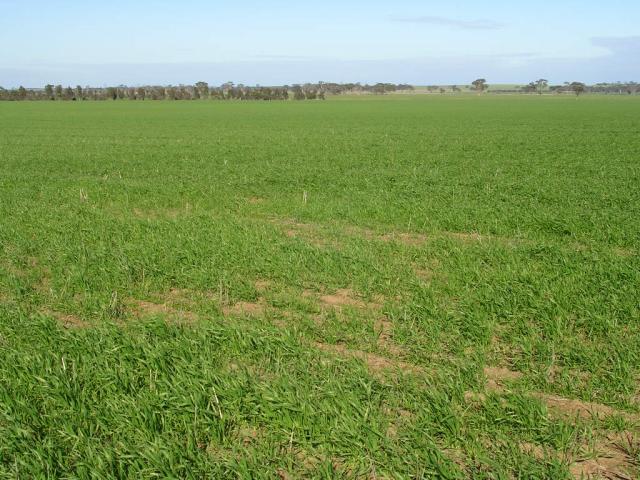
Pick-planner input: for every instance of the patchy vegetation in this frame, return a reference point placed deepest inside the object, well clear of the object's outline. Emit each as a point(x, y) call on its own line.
point(368, 287)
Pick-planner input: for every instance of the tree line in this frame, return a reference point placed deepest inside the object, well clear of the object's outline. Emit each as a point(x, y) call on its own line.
point(307, 91)
point(198, 91)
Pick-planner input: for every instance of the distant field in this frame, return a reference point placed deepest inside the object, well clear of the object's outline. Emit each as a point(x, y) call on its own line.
point(371, 287)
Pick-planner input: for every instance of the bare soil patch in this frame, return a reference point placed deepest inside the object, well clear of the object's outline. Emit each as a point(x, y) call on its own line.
point(623, 252)
point(611, 460)
point(341, 298)
point(467, 236)
point(536, 451)
point(424, 274)
point(248, 435)
point(497, 377)
point(399, 418)
point(262, 285)
point(385, 337)
point(410, 239)
point(345, 297)
point(375, 363)
point(577, 408)
point(143, 308)
point(244, 308)
point(67, 320)
point(608, 458)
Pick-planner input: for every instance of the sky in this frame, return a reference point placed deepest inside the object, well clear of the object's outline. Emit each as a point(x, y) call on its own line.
point(284, 42)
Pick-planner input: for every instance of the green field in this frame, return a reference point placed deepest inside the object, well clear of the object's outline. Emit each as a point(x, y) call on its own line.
point(367, 287)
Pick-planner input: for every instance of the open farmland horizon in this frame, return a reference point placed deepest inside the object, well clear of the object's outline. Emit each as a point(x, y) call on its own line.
point(393, 286)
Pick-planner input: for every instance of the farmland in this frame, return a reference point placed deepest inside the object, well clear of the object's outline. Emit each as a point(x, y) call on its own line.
point(367, 287)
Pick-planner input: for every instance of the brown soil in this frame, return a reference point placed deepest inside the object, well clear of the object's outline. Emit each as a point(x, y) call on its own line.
point(497, 377)
point(341, 298)
point(607, 459)
point(248, 435)
point(610, 461)
point(410, 239)
point(67, 320)
point(262, 285)
point(244, 308)
point(143, 308)
point(385, 337)
point(375, 363)
point(623, 252)
point(424, 274)
point(577, 408)
point(399, 418)
point(466, 236)
point(536, 451)
point(474, 397)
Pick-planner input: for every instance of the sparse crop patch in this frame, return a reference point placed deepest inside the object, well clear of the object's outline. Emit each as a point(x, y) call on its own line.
point(379, 287)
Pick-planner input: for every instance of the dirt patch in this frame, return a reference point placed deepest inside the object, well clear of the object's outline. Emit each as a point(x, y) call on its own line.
point(536, 451)
point(67, 320)
point(262, 285)
point(610, 460)
point(497, 377)
point(385, 329)
point(623, 252)
point(346, 297)
point(248, 435)
point(577, 408)
point(399, 417)
point(310, 233)
point(341, 298)
point(554, 373)
point(385, 337)
point(375, 363)
point(143, 308)
point(466, 236)
point(244, 308)
point(423, 274)
point(474, 397)
point(255, 200)
point(409, 239)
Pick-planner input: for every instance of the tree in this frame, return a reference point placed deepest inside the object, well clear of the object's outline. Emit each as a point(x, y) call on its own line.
point(58, 92)
point(112, 93)
point(541, 85)
point(203, 89)
point(68, 94)
point(22, 93)
point(298, 94)
point(79, 93)
point(577, 87)
point(479, 85)
point(48, 91)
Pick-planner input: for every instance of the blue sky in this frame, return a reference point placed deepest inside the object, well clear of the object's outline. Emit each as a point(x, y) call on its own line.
point(420, 42)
